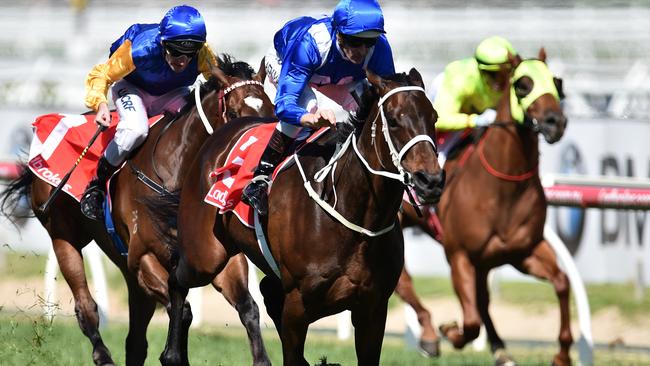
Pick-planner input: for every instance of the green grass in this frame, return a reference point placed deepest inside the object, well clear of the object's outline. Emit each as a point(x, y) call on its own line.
point(32, 341)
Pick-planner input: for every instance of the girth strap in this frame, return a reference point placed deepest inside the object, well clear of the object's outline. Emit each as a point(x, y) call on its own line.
point(158, 188)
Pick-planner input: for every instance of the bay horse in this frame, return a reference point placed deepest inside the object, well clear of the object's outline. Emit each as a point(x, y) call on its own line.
point(493, 209)
point(161, 162)
point(325, 266)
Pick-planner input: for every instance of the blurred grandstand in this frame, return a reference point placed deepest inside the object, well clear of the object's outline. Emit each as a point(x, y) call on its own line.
point(601, 48)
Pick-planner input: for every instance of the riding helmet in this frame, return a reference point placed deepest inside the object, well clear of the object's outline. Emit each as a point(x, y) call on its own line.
point(359, 18)
point(492, 52)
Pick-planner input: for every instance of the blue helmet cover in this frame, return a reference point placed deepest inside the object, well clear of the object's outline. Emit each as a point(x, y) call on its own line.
point(356, 16)
point(182, 22)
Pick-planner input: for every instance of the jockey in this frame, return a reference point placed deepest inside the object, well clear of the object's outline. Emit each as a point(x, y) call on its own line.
point(312, 68)
point(467, 92)
point(152, 66)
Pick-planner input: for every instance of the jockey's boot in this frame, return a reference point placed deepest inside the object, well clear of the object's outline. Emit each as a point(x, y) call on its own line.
point(256, 192)
point(93, 198)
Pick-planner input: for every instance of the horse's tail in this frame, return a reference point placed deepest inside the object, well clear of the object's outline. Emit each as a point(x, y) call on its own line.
point(163, 210)
point(14, 200)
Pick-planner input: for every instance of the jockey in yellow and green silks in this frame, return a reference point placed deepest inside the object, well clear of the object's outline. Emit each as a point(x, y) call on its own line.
point(468, 90)
point(152, 66)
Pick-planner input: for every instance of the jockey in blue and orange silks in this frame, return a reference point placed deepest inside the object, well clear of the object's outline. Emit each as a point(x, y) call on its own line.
point(312, 68)
point(152, 66)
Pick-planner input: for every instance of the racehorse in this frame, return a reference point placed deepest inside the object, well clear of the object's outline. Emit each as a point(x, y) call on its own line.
point(158, 165)
point(324, 266)
point(493, 209)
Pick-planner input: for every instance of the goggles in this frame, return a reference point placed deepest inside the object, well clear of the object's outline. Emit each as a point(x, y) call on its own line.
point(182, 48)
point(356, 42)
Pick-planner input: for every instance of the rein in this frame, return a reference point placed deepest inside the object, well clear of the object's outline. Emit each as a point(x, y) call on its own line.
point(160, 188)
point(402, 176)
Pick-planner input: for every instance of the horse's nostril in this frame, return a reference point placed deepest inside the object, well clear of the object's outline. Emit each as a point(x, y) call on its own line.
point(429, 181)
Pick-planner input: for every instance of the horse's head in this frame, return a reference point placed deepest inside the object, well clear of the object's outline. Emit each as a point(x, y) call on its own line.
point(241, 91)
point(407, 121)
point(535, 98)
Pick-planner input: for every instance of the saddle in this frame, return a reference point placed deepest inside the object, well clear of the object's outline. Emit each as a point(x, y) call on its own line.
point(58, 141)
point(230, 179)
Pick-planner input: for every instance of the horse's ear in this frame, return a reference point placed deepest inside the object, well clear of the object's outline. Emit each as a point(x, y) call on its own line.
point(375, 79)
point(220, 75)
point(261, 72)
point(542, 54)
point(416, 78)
point(514, 60)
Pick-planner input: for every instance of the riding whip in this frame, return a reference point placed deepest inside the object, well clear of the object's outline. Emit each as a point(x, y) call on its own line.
point(59, 187)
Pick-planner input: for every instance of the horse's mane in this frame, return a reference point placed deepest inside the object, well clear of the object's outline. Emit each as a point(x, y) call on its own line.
point(230, 67)
point(370, 96)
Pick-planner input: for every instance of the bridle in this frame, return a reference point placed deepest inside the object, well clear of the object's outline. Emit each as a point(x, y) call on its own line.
point(396, 157)
point(222, 101)
point(222, 95)
point(403, 176)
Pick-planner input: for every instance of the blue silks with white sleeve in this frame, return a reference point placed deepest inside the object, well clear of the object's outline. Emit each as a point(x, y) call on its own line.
point(309, 52)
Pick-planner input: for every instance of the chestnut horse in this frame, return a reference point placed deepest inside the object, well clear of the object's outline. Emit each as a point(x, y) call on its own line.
point(324, 266)
point(163, 159)
point(493, 209)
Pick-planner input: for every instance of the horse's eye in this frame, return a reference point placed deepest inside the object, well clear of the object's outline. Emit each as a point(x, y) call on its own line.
point(392, 122)
point(523, 87)
point(231, 114)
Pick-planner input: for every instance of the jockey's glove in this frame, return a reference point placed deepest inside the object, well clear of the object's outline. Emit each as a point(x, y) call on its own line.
point(486, 118)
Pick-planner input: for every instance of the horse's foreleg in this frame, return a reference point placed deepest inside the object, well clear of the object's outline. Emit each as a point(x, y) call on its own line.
point(429, 342)
point(464, 280)
point(141, 309)
point(232, 282)
point(542, 263)
point(369, 324)
point(273, 293)
point(72, 267)
point(483, 302)
point(175, 352)
point(294, 330)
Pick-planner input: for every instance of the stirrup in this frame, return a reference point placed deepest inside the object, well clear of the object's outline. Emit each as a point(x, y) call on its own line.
point(255, 194)
point(91, 203)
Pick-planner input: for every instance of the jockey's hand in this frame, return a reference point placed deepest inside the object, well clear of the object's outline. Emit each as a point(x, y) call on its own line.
point(322, 118)
point(486, 118)
point(103, 117)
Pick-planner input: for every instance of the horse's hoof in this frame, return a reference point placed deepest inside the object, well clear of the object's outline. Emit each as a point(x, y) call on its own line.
point(502, 358)
point(430, 349)
point(446, 327)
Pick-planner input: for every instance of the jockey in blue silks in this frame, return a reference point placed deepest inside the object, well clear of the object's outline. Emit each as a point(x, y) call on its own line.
point(152, 66)
point(312, 68)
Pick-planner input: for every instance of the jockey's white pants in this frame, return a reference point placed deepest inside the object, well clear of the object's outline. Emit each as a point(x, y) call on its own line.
point(335, 97)
point(134, 106)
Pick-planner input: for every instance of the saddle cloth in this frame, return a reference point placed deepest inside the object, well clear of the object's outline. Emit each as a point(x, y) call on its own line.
point(58, 141)
point(230, 180)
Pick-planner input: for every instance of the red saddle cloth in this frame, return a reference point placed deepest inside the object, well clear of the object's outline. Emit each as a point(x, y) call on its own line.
point(58, 141)
point(234, 175)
